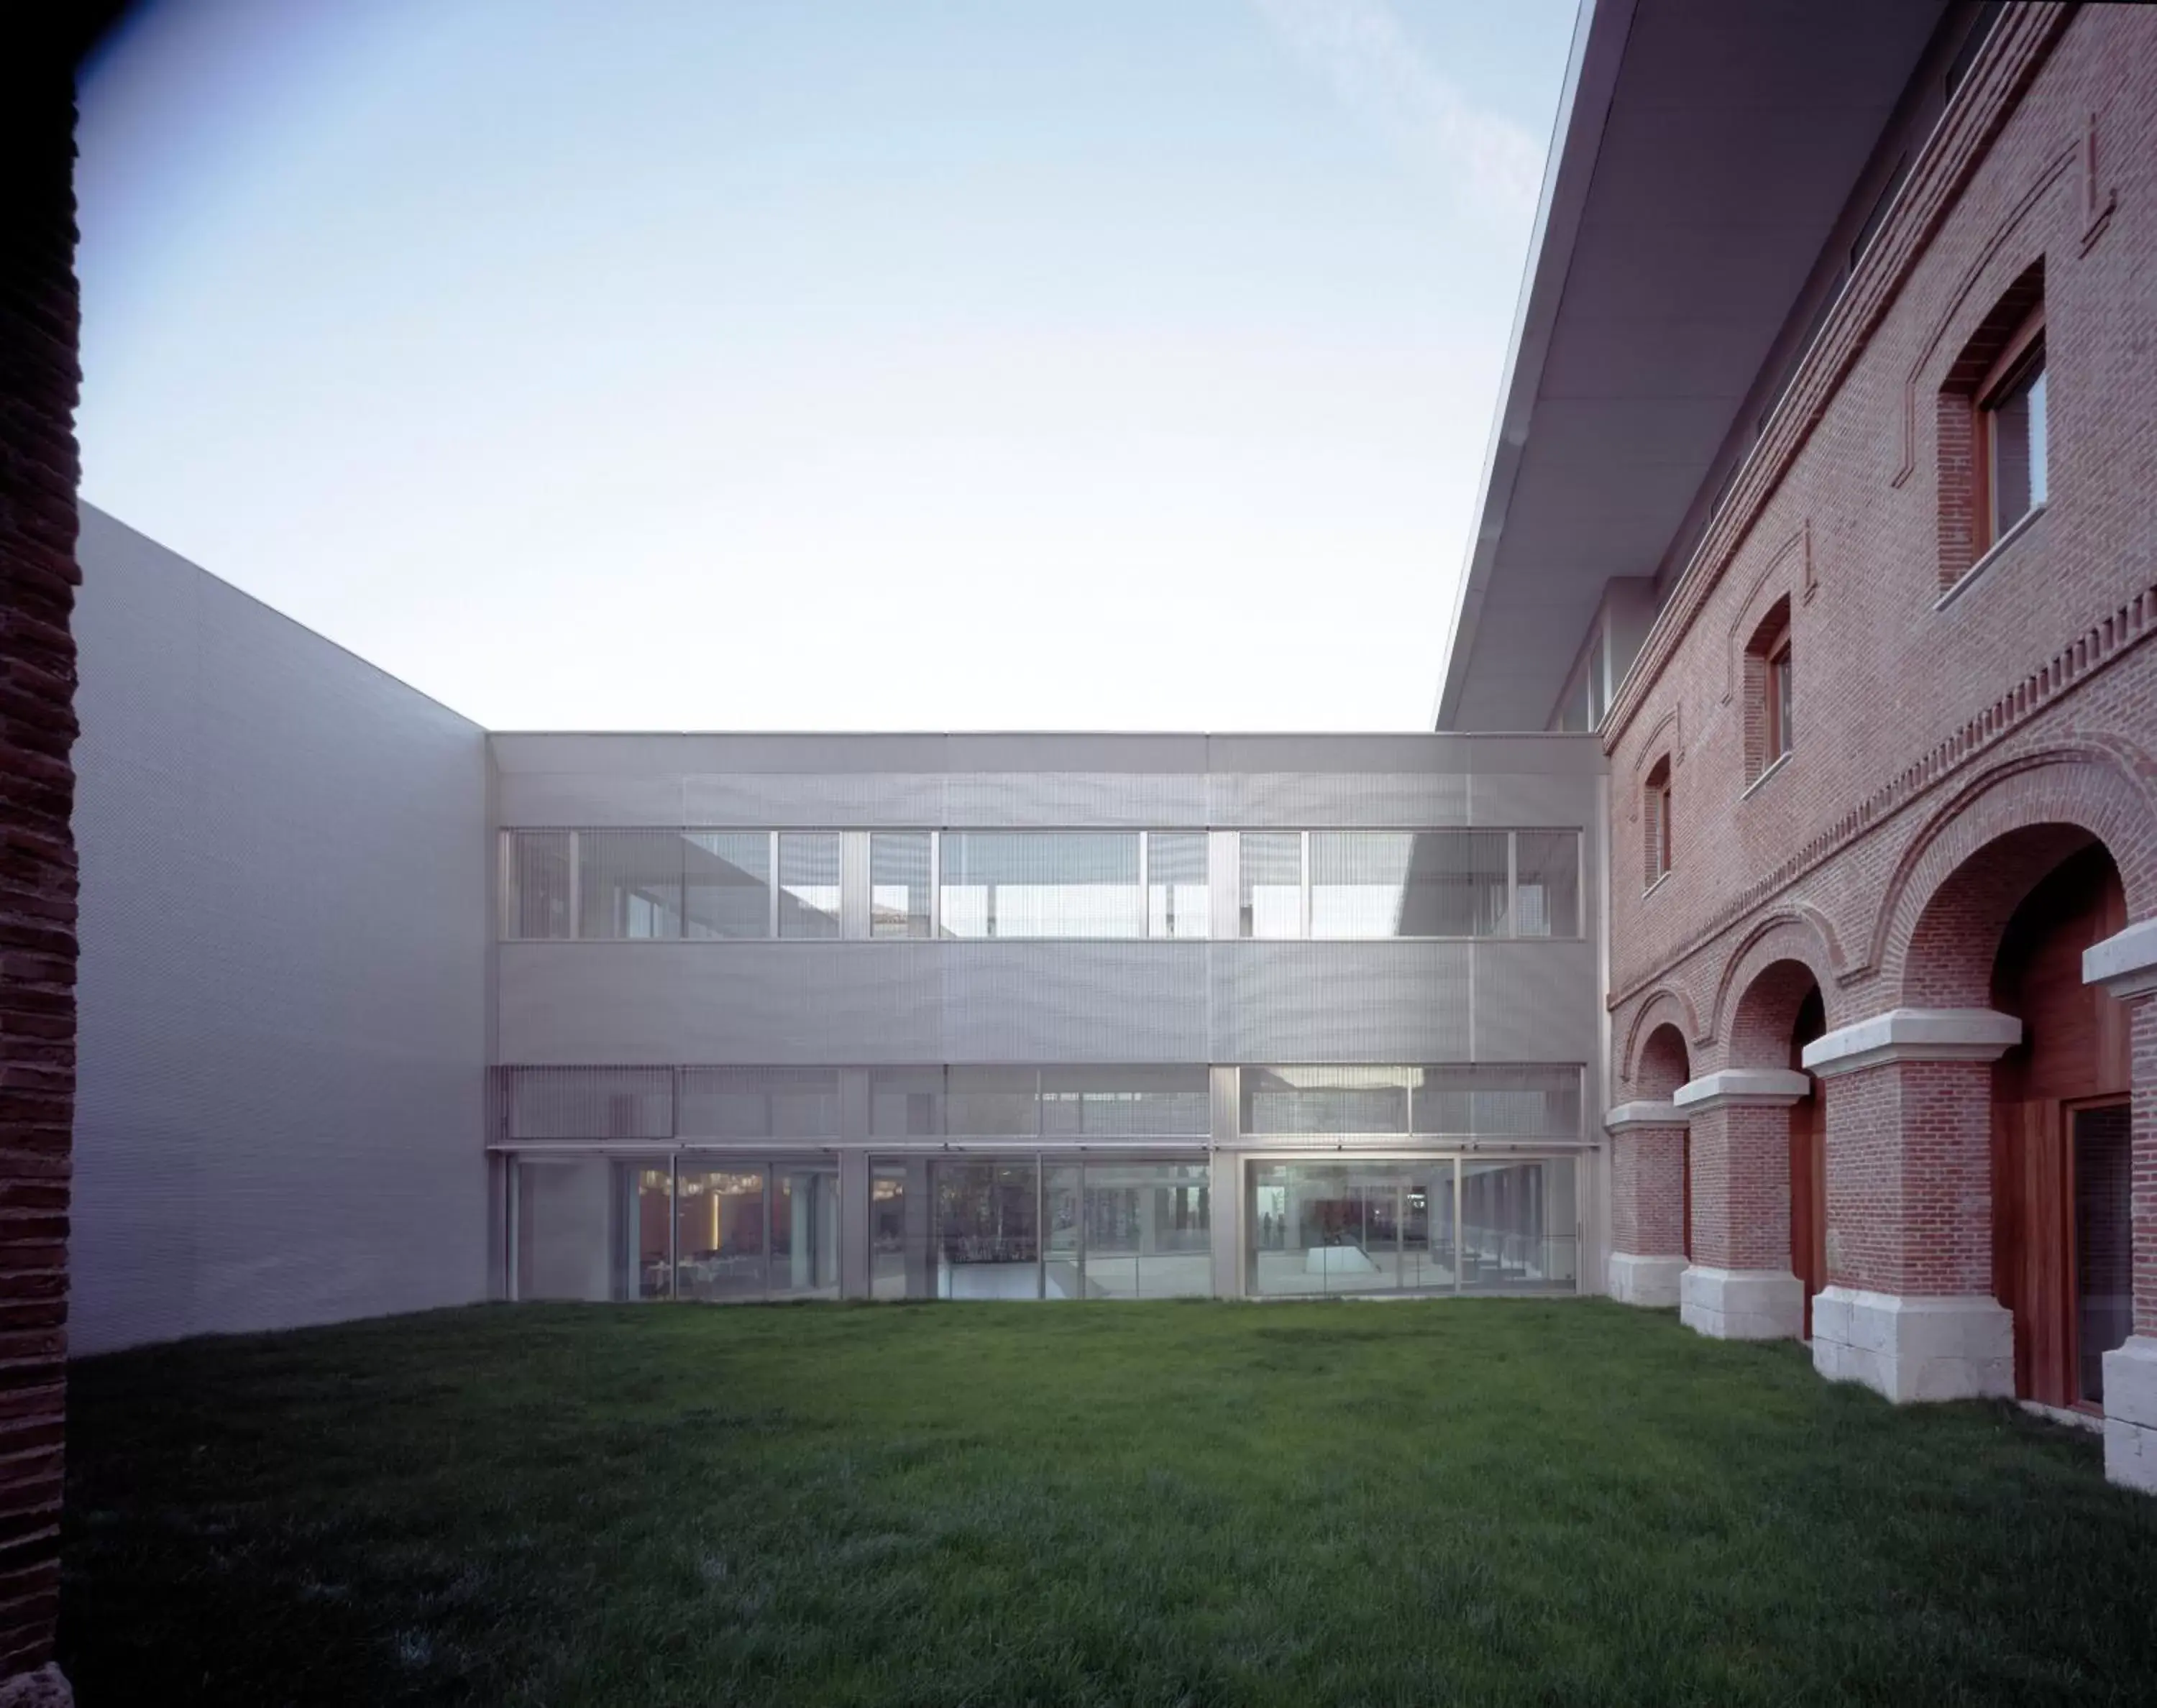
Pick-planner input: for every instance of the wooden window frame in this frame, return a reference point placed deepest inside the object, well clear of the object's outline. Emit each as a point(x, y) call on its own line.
point(2018, 364)
point(1777, 694)
point(1660, 819)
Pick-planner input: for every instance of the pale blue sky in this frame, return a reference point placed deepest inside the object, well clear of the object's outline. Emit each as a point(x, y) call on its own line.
point(1020, 363)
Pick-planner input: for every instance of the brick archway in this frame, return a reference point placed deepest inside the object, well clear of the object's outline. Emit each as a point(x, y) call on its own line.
point(1954, 891)
point(1763, 982)
point(1667, 1006)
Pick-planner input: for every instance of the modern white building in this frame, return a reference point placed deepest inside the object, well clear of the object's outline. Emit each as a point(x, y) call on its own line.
point(380, 1010)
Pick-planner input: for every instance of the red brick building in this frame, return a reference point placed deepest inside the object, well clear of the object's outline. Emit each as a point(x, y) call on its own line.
point(1855, 575)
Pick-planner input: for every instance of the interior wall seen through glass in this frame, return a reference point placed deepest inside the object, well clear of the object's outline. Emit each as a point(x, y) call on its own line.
point(1040, 884)
point(727, 884)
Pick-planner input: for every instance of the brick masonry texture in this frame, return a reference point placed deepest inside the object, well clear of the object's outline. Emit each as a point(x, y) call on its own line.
point(1950, 749)
point(1647, 1191)
point(38, 379)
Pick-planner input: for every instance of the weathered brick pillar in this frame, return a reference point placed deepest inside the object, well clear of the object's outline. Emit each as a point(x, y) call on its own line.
point(1908, 1310)
point(2126, 966)
point(1647, 1203)
point(1738, 1286)
point(38, 477)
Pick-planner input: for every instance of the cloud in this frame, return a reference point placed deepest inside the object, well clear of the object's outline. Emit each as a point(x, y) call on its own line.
point(1360, 48)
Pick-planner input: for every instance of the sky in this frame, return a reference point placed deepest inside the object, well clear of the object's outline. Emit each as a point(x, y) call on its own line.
point(896, 364)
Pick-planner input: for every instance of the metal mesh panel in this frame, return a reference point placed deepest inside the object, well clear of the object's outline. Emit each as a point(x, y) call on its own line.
point(1288, 1100)
point(906, 1102)
point(1124, 1103)
point(539, 884)
point(591, 1103)
point(759, 1102)
point(1499, 1101)
point(992, 1103)
point(628, 883)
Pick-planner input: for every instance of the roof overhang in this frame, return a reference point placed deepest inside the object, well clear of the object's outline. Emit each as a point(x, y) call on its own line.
point(1705, 152)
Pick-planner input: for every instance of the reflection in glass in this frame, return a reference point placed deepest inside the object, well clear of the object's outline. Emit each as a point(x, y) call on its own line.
point(2104, 1167)
point(1546, 887)
point(805, 1230)
point(1042, 883)
point(719, 1232)
point(1178, 903)
point(728, 879)
point(1062, 1203)
point(988, 1227)
point(809, 883)
point(1269, 883)
point(1296, 1100)
point(898, 884)
point(1146, 1231)
point(1517, 1226)
point(650, 1195)
point(628, 883)
point(898, 1229)
point(1350, 1227)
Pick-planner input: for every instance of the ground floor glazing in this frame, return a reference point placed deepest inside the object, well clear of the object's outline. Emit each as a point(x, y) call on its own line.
point(1040, 1224)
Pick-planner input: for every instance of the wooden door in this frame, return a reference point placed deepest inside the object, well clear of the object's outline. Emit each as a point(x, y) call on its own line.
point(1809, 1197)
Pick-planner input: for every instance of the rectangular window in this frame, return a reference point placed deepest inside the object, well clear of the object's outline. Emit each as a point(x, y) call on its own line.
point(2015, 443)
point(1497, 1102)
point(590, 1103)
point(1124, 1103)
point(1269, 883)
point(1656, 809)
point(759, 1102)
point(719, 1240)
point(898, 884)
point(907, 1103)
point(1780, 733)
point(809, 883)
point(1041, 883)
point(539, 896)
point(992, 1103)
point(1546, 883)
point(629, 883)
point(1401, 883)
point(727, 883)
point(1178, 903)
point(1325, 1100)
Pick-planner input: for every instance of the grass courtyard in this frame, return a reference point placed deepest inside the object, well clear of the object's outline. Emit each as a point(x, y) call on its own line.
point(1487, 1502)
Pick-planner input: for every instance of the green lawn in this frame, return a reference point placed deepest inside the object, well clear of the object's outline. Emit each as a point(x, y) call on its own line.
point(1476, 1501)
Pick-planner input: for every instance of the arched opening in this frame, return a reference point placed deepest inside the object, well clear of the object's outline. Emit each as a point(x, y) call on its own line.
point(2062, 1166)
point(1664, 1066)
point(1782, 1012)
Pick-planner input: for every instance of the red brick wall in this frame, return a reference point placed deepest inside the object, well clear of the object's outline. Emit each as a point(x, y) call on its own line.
point(1909, 1178)
point(38, 478)
point(1647, 1191)
point(1924, 735)
point(2143, 1030)
point(1741, 1189)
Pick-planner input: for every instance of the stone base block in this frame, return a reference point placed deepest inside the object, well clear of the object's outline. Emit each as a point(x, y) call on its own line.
point(2130, 1413)
point(1742, 1304)
point(1635, 1279)
point(45, 1688)
point(1957, 1347)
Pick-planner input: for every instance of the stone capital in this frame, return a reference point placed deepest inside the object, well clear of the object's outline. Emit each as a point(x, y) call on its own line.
point(1628, 1115)
point(2125, 963)
point(1914, 1034)
point(1742, 1087)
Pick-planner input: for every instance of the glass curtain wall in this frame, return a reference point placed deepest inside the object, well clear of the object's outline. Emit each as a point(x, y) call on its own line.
point(1039, 1227)
point(595, 1227)
point(1360, 885)
point(1389, 1225)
